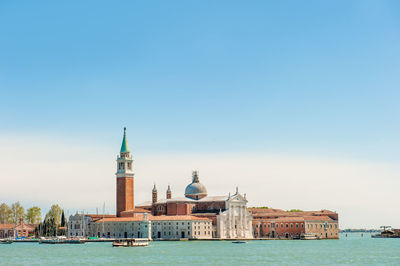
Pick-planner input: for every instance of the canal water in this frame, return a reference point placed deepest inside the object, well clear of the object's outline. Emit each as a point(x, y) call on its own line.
point(350, 250)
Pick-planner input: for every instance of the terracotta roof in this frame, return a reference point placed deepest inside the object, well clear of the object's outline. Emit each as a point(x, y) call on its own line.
point(153, 218)
point(17, 226)
point(94, 216)
point(7, 226)
point(177, 218)
point(136, 210)
point(288, 219)
point(260, 210)
point(120, 219)
point(317, 218)
point(205, 214)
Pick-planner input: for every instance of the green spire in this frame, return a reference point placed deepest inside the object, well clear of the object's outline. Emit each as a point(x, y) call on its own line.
point(124, 146)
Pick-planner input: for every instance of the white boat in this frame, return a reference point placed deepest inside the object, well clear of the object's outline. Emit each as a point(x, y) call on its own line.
point(308, 237)
point(134, 242)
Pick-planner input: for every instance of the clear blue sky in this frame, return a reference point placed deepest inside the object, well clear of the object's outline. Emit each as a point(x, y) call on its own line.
point(304, 77)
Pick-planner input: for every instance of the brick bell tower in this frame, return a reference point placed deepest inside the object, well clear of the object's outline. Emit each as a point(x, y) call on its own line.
point(125, 182)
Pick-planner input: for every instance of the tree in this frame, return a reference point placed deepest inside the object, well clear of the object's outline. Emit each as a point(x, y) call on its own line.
point(17, 212)
point(294, 210)
point(55, 214)
point(33, 215)
point(5, 214)
point(63, 220)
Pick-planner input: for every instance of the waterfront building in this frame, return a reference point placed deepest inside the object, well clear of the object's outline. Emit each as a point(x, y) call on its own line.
point(275, 223)
point(121, 227)
point(181, 226)
point(323, 227)
point(78, 224)
point(153, 227)
point(20, 229)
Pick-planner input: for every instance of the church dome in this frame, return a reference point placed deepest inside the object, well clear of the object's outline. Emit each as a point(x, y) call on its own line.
point(195, 190)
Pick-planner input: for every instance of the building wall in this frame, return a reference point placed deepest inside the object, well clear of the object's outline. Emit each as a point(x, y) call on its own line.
point(7, 233)
point(159, 229)
point(16, 230)
point(267, 228)
point(78, 225)
point(175, 208)
point(175, 229)
point(159, 209)
point(125, 194)
point(322, 229)
point(211, 206)
point(120, 229)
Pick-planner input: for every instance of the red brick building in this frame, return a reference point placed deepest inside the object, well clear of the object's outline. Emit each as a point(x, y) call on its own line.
point(275, 223)
point(16, 230)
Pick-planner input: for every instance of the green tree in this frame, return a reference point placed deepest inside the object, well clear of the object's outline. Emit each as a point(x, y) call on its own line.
point(55, 214)
point(294, 210)
point(17, 212)
point(33, 215)
point(5, 214)
point(63, 220)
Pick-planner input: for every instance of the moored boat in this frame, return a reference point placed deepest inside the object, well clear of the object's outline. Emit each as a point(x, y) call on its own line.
point(308, 237)
point(6, 241)
point(61, 241)
point(239, 242)
point(134, 242)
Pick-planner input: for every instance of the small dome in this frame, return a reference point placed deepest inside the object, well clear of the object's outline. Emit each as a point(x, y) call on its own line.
point(195, 190)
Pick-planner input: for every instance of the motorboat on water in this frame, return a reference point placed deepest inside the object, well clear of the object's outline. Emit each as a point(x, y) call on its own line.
point(6, 241)
point(239, 242)
point(133, 242)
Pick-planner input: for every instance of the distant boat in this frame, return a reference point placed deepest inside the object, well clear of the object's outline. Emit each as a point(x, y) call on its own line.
point(388, 232)
point(239, 242)
point(134, 242)
point(6, 241)
point(61, 241)
point(308, 237)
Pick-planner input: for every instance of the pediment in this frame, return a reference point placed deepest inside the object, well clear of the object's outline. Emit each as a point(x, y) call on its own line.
point(237, 198)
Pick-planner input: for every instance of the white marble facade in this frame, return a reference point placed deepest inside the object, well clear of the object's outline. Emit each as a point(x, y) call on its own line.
point(235, 222)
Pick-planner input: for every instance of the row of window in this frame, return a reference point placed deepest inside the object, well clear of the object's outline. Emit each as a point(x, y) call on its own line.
point(276, 225)
point(321, 225)
point(205, 232)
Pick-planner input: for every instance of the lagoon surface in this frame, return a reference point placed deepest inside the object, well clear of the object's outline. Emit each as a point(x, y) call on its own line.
point(352, 249)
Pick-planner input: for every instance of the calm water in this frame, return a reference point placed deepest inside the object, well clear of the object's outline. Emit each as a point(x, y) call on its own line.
point(353, 249)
